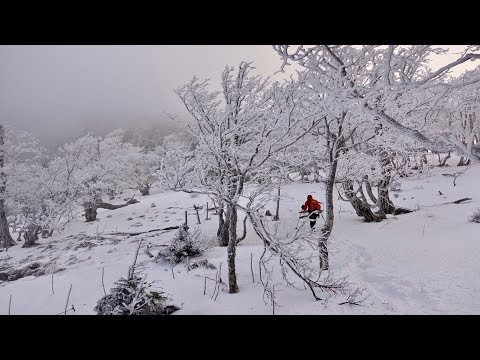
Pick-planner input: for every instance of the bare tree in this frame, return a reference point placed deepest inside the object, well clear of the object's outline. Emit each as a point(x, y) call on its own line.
point(237, 135)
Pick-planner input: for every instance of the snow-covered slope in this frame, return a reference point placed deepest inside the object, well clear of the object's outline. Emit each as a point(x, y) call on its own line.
point(425, 262)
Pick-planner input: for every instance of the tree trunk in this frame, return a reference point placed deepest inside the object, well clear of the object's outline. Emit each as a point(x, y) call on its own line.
point(444, 161)
point(145, 190)
point(221, 224)
point(90, 211)
point(361, 208)
point(223, 227)
point(368, 186)
point(277, 211)
point(244, 235)
point(329, 216)
point(463, 162)
point(31, 235)
point(232, 277)
point(362, 194)
point(316, 174)
point(6, 239)
point(384, 203)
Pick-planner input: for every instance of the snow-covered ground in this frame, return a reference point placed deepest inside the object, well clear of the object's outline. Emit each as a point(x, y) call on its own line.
point(425, 262)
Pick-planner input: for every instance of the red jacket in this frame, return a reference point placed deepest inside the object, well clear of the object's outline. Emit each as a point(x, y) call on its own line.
point(311, 204)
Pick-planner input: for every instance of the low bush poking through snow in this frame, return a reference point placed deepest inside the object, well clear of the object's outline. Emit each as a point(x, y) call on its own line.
point(134, 297)
point(184, 244)
point(475, 217)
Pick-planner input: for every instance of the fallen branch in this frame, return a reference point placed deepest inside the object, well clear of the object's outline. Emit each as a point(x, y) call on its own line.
point(447, 203)
point(456, 175)
point(400, 211)
point(144, 232)
point(352, 298)
point(459, 201)
point(103, 205)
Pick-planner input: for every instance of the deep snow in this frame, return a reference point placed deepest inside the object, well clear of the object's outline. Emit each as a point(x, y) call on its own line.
point(425, 262)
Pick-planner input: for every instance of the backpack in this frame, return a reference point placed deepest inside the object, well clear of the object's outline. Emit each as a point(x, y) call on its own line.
point(316, 205)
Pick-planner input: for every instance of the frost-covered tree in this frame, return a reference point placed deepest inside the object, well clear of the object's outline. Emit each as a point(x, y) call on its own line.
point(142, 169)
point(369, 84)
point(375, 79)
point(177, 154)
point(457, 117)
point(16, 150)
point(147, 137)
point(92, 167)
point(238, 130)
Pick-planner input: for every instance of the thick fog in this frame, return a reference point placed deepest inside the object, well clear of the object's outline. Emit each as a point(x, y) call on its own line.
point(62, 91)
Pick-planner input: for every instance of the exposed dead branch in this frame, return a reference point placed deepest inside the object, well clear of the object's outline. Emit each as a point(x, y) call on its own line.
point(352, 298)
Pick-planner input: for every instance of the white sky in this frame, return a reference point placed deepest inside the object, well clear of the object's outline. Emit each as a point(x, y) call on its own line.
point(56, 90)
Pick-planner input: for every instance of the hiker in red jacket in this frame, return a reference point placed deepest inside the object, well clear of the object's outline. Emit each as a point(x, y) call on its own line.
point(313, 208)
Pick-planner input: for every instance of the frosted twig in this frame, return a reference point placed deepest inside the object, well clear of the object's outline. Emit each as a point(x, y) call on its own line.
point(251, 266)
point(53, 271)
point(273, 300)
point(68, 298)
point(215, 288)
point(103, 271)
point(352, 298)
point(131, 269)
point(9, 304)
point(103, 231)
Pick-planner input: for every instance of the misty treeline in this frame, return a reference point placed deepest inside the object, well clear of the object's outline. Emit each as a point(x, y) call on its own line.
point(42, 192)
point(355, 118)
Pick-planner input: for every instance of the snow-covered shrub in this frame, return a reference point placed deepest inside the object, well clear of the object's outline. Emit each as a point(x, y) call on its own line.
point(184, 244)
point(475, 216)
point(133, 297)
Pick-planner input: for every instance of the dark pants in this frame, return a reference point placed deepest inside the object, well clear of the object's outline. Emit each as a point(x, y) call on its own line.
point(313, 219)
